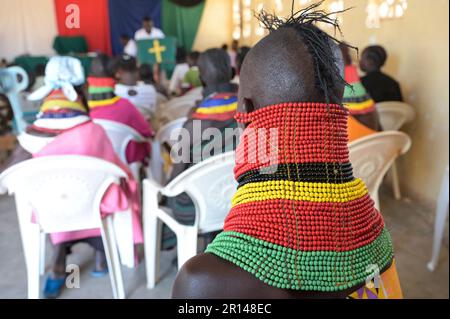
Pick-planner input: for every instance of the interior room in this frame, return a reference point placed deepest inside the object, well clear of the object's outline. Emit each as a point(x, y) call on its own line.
point(166, 149)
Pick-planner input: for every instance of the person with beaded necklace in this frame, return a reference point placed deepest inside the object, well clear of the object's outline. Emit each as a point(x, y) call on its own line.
point(301, 225)
point(363, 117)
point(216, 110)
point(104, 104)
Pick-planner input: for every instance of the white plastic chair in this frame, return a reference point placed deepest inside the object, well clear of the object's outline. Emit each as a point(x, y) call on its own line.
point(439, 224)
point(65, 193)
point(373, 155)
point(32, 143)
point(210, 184)
point(13, 80)
point(393, 115)
point(120, 136)
point(163, 136)
point(160, 99)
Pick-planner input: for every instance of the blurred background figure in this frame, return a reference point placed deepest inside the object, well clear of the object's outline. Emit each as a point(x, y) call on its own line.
point(129, 45)
point(148, 31)
point(380, 86)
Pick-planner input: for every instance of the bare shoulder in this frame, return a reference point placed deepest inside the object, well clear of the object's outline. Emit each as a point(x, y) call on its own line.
point(205, 276)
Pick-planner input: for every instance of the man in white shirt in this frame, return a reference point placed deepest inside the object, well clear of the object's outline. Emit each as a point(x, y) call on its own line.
point(148, 31)
point(129, 45)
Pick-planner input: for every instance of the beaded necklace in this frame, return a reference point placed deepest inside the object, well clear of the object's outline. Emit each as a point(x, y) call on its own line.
point(356, 99)
point(101, 92)
point(306, 223)
point(217, 107)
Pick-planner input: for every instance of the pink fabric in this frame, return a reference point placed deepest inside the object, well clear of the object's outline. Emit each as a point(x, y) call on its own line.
point(126, 113)
point(90, 139)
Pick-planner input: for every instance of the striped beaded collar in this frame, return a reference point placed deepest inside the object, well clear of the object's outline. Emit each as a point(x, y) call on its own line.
point(299, 219)
point(356, 99)
point(101, 92)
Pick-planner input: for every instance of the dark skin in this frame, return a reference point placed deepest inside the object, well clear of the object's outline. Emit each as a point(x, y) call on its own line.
point(147, 25)
point(285, 73)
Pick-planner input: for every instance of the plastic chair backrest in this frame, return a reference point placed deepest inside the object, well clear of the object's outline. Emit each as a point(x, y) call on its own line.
point(393, 115)
point(120, 136)
point(13, 80)
point(169, 129)
point(32, 143)
point(211, 186)
point(373, 155)
point(64, 191)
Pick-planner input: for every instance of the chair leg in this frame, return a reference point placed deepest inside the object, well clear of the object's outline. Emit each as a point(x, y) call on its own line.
point(439, 226)
point(186, 245)
point(42, 258)
point(33, 261)
point(112, 258)
point(395, 182)
point(152, 248)
point(31, 241)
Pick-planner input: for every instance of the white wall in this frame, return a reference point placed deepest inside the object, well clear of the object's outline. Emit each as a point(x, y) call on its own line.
point(26, 27)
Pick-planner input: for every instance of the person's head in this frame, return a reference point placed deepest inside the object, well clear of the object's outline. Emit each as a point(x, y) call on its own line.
point(181, 55)
point(242, 53)
point(124, 40)
point(373, 58)
point(102, 66)
point(235, 45)
point(126, 69)
point(192, 58)
point(225, 47)
point(146, 73)
point(346, 53)
point(296, 62)
point(147, 24)
point(62, 72)
point(39, 70)
point(215, 68)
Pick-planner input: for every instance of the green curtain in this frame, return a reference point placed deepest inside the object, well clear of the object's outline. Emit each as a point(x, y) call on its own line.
point(182, 22)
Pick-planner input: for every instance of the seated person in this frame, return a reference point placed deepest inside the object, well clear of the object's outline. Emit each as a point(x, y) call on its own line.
point(104, 104)
point(363, 119)
point(215, 111)
point(175, 85)
point(381, 86)
point(301, 226)
point(129, 45)
point(191, 79)
point(140, 94)
point(65, 125)
point(148, 31)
